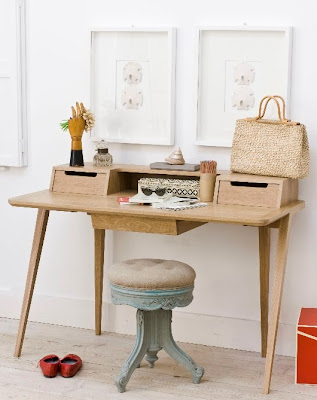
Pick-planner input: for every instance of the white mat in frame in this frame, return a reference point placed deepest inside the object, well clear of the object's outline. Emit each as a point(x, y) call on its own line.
point(133, 109)
point(221, 96)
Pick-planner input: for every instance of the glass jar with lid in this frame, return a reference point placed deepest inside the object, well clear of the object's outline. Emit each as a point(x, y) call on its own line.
point(103, 158)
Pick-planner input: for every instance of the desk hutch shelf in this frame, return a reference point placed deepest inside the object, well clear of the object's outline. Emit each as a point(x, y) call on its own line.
point(120, 180)
point(104, 181)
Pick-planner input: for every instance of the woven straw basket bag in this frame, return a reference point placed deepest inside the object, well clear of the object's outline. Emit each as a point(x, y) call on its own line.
point(270, 147)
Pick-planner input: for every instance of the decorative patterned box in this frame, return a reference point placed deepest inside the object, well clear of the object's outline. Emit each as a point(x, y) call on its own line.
point(177, 187)
point(306, 359)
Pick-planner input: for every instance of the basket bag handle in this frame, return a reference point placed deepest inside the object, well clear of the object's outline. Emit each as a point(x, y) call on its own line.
point(268, 99)
point(282, 119)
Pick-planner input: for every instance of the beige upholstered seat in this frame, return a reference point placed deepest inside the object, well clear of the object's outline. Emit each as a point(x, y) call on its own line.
point(148, 273)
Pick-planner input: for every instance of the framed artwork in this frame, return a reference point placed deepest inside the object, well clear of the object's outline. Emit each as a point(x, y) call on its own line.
point(132, 85)
point(236, 68)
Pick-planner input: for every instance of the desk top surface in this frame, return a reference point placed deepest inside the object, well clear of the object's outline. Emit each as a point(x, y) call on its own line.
point(244, 215)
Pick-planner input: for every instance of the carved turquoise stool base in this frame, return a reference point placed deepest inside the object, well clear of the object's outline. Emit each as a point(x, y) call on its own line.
point(154, 318)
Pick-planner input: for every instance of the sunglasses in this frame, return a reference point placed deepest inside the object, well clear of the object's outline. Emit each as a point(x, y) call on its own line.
point(159, 191)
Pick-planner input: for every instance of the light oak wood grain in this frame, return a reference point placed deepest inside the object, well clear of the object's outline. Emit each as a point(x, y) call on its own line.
point(275, 224)
point(144, 169)
point(118, 182)
point(99, 264)
point(38, 239)
point(278, 192)
point(134, 224)
point(142, 224)
point(126, 178)
point(279, 273)
point(254, 216)
point(264, 256)
point(248, 196)
point(288, 192)
point(234, 176)
point(185, 226)
point(93, 185)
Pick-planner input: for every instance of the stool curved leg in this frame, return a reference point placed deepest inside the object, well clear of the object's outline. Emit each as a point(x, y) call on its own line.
point(133, 361)
point(177, 353)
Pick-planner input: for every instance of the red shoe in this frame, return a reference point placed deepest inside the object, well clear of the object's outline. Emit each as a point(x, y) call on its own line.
point(50, 365)
point(70, 365)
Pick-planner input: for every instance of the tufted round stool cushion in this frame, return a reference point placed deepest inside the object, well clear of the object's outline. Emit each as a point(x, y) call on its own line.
point(151, 284)
point(149, 273)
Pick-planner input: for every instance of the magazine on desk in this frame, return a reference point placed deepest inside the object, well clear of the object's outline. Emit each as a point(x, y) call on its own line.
point(168, 202)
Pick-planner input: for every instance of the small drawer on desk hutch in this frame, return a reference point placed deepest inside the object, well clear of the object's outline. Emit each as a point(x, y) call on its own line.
point(80, 182)
point(252, 190)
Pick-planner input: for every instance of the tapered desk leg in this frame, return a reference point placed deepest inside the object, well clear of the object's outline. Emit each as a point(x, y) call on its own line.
point(279, 273)
point(264, 253)
point(38, 239)
point(99, 262)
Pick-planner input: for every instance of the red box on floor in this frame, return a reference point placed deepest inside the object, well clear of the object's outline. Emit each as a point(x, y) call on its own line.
point(306, 360)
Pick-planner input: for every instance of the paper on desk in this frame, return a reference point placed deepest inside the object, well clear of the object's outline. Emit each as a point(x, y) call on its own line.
point(170, 199)
point(140, 198)
point(177, 206)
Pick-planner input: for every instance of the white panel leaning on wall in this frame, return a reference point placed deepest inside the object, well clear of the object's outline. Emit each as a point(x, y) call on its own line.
point(13, 138)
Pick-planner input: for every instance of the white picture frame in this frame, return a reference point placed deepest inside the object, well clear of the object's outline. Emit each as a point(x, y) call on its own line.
point(133, 85)
point(264, 53)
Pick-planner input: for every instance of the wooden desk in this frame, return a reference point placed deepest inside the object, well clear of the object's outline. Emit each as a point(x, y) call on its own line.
point(107, 214)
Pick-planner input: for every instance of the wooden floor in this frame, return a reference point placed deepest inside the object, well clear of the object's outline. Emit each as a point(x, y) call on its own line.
point(230, 374)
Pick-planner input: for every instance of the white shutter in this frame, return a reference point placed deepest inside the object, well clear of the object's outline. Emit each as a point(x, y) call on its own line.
point(12, 83)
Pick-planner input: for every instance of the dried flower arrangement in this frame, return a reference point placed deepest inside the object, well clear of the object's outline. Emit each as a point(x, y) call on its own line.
point(81, 120)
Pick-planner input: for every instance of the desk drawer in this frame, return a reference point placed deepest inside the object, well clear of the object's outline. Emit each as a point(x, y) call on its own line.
point(134, 223)
point(253, 190)
point(261, 196)
point(80, 182)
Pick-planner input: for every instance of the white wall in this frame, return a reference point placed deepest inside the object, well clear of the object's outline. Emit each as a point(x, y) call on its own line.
point(225, 310)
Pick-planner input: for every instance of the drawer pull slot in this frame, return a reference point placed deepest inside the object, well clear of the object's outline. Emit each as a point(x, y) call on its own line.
point(249, 184)
point(81, 173)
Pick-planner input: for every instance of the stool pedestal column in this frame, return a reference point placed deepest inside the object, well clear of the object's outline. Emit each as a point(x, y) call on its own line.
point(154, 334)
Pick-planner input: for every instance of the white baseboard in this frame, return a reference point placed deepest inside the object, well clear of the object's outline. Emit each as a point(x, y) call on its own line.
point(187, 327)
